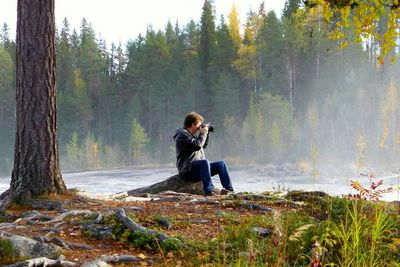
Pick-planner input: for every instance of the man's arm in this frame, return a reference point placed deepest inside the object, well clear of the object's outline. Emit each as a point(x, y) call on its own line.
point(206, 142)
point(189, 142)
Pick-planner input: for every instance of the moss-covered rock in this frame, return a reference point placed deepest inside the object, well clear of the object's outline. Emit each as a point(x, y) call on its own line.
point(24, 247)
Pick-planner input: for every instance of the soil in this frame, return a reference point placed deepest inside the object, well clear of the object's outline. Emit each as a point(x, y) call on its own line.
point(190, 221)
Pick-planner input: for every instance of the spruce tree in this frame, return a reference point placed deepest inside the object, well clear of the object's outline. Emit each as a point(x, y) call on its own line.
point(206, 49)
point(270, 55)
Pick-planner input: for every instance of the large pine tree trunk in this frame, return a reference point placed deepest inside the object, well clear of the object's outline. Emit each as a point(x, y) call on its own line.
point(36, 165)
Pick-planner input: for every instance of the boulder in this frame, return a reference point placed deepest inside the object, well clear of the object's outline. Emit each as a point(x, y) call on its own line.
point(99, 231)
point(24, 247)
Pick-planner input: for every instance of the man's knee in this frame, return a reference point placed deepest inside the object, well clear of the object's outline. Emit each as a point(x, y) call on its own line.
point(221, 163)
point(204, 162)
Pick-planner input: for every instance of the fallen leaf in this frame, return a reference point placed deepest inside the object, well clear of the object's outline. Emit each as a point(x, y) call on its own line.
point(141, 255)
point(75, 234)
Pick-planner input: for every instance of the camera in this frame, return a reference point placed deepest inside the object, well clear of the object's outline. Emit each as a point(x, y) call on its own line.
point(210, 127)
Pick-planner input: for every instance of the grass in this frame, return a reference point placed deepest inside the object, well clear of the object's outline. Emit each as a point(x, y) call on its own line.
point(6, 251)
point(330, 231)
point(352, 232)
point(364, 236)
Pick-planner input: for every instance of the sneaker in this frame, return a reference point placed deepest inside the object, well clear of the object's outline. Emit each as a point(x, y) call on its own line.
point(226, 191)
point(211, 194)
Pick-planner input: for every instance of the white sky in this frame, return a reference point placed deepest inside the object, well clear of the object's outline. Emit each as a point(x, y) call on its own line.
point(121, 20)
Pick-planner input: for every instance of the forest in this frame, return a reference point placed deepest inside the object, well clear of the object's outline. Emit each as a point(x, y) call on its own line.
point(314, 86)
point(275, 86)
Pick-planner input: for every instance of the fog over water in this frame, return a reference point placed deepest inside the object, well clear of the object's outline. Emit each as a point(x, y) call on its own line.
point(249, 179)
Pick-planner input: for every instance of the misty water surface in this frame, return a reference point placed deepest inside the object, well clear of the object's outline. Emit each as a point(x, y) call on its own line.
point(249, 179)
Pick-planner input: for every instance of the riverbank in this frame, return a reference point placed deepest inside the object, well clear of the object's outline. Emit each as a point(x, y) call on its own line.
point(269, 228)
point(333, 181)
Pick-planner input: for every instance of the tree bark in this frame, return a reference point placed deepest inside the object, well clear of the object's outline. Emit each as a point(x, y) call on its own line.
point(174, 183)
point(36, 164)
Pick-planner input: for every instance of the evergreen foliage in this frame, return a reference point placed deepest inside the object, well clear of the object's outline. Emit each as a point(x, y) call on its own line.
point(138, 141)
point(269, 85)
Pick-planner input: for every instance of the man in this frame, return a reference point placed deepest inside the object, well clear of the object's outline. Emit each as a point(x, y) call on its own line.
point(190, 158)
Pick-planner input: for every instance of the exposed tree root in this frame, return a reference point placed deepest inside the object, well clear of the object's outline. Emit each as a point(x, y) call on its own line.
point(5, 200)
point(43, 262)
point(122, 258)
point(9, 196)
point(68, 245)
point(254, 206)
point(66, 214)
point(133, 226)
point(98, 219)
point(202, 202)
point(48, 205)
point(171, 199)
point(253, 196)
point(35, 215)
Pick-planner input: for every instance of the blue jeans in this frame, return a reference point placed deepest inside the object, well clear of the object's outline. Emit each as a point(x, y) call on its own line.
point(202, 170)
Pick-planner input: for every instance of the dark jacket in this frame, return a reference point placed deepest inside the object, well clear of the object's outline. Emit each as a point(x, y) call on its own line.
point(189, 147)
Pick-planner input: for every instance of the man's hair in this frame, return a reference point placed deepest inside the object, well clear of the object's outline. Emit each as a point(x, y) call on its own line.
point(192, 117)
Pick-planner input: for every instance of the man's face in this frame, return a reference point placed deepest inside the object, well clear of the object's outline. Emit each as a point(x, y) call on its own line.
point(195, 127)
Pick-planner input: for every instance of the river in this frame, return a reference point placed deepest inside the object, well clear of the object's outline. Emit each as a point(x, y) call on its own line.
point(248, 179)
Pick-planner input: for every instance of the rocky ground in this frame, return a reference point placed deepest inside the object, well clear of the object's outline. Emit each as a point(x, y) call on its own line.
point(72, 229)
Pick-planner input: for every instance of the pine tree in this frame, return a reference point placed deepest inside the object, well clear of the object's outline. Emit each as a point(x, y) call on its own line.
point(65, 72)
point(225, 99)
point(36, 171)
point(6, 42)
point(65, 83)
point(246, 66)
point(6, 84)
point(138, 140)
point(225, 52)
point(230, 143)
point(91, 66)
point(276, 111)
point(74, 153)
point(252, 133)
point(206, 49)
point(189, 83)
point(270, 54)
point(7, 108)
point(291, 7)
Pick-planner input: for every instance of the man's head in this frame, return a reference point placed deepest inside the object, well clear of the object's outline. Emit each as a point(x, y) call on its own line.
point(193, 121)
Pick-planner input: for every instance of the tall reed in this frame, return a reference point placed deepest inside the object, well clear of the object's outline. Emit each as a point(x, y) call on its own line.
point(363, 234)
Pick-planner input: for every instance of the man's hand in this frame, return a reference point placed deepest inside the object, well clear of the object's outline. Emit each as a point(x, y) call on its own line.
point(203, 129)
